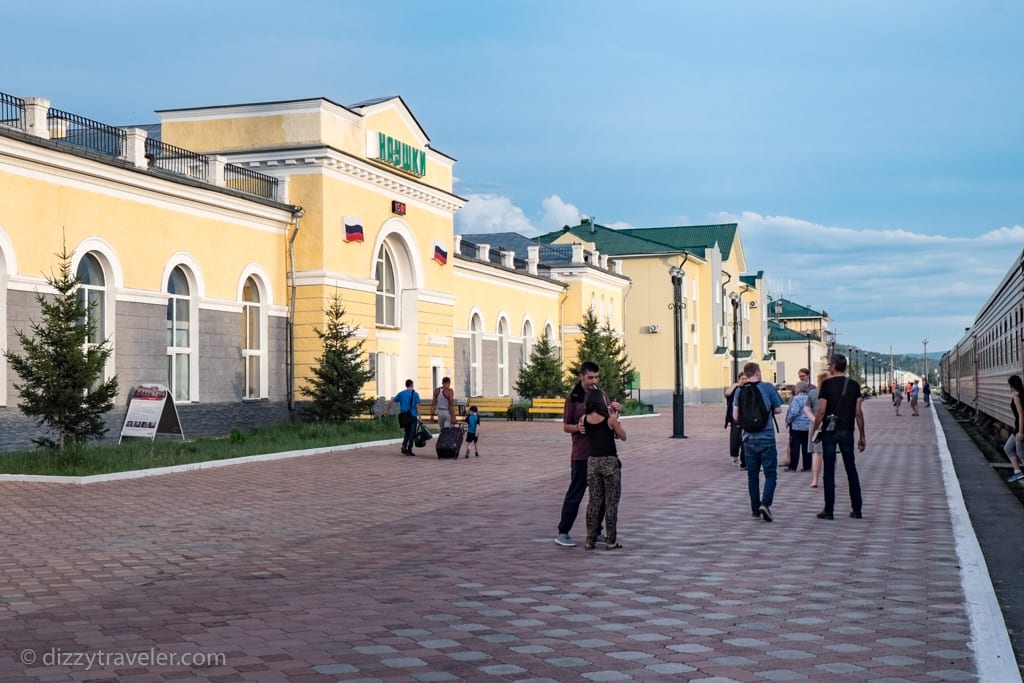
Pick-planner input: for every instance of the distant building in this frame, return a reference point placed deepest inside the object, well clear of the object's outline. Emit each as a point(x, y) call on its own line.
point(798, 337)
point(723, 307)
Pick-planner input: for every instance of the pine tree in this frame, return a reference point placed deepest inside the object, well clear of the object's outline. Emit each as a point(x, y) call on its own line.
point(616, 380)
point(336, 387)
point(602, 346)
point(61, 373)
point(542, 375)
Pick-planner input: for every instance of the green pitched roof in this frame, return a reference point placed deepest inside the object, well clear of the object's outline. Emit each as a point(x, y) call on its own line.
point(695, 239)
point(687, 237)
point(751, 280)
point(791, 309)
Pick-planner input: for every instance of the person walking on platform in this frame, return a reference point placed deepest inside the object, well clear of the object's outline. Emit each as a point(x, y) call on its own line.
point(408, 402)
point(839, 411)
point(897, 398)
point(926, 392)
point(912, 396)
point(735, 433)
point(1014, 447)
point(754, 407)
point(799, 419)
point(443, 402)
point(812, 405)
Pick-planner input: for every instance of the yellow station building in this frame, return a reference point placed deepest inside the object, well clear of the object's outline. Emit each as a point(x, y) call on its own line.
point(211, 243)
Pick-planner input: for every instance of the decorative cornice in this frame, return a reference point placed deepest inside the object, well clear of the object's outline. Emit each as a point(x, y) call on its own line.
point(287, 162)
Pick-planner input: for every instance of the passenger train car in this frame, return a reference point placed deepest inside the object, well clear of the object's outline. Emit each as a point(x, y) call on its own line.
point(974, 372)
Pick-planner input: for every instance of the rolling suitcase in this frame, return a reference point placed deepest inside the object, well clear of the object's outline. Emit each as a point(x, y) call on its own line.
point(449, 442)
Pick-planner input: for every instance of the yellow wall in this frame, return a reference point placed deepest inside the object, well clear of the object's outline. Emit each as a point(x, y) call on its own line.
point(143, 232)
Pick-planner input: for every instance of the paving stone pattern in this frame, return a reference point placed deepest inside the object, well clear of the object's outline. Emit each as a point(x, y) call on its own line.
point(369, 566)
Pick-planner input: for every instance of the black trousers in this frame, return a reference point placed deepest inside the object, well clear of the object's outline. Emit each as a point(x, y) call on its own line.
point(798, 446)
point(574, 496)
point(735, 442)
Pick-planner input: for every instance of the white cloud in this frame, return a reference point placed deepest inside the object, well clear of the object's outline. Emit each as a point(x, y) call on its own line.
point(557, 213)
point(881, 287)
point(484, 213)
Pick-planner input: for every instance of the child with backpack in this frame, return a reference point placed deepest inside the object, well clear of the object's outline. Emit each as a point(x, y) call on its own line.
point(472, 430)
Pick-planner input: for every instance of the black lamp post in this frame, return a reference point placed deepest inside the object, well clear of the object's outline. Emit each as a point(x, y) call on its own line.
point(678, 417)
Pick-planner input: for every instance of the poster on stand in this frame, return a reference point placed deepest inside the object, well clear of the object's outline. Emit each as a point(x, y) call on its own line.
point(151, 411)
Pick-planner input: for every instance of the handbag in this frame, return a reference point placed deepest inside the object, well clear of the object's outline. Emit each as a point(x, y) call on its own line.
point(405, 418)
point(832, 420)
point(423, 435)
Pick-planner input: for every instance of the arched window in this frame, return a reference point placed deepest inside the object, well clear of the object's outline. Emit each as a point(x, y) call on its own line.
point(252, 341)
point(387, 288)
point(92, 293)
point(502, 357)
point(179, 335)
point(527, 343)
point(476, 340)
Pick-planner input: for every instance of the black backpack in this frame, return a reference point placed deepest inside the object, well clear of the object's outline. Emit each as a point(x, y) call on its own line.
point(753, 409)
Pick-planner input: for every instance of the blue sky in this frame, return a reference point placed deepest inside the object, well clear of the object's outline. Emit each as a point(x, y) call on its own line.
point(870, 151)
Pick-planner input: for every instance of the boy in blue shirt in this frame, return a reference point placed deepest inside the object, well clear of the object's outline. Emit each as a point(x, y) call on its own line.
point(472, 430)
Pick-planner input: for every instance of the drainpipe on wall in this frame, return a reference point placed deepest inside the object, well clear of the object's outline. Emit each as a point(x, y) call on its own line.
point(290, 335)
point(561, 323)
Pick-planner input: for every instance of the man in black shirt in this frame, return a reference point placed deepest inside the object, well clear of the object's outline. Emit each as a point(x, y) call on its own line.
point(839, 410)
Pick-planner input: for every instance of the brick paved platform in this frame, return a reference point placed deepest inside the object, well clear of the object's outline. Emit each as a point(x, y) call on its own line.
point(369, 566)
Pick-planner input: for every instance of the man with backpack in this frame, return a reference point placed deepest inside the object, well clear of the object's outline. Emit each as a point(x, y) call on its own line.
point(753, 409)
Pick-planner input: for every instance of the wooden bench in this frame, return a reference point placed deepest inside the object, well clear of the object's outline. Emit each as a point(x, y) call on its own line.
point(490, 406)
point(546, 406)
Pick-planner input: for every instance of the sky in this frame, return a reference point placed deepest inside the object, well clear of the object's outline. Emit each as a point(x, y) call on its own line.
point(869, 151)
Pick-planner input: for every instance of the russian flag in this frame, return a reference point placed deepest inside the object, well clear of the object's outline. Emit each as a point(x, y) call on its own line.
point(353, 229)
point(440, 255)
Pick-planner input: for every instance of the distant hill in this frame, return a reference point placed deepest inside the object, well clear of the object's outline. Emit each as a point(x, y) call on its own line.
point(932, 355)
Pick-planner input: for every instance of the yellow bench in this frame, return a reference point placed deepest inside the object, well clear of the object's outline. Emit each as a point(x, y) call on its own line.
point(491, 406)
point(546, 406)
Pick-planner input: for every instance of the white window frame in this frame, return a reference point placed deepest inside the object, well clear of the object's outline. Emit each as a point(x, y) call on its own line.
point(503, 332)
point(253, 356)
point(175, 351)
point(476, 337)
point(385, 267)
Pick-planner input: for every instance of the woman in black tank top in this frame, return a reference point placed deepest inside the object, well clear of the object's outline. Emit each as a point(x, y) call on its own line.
point(604, 471)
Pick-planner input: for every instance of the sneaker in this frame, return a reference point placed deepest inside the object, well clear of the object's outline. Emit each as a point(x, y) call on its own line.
point(565, 539)
point(1016, 476)
point(766, 513)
